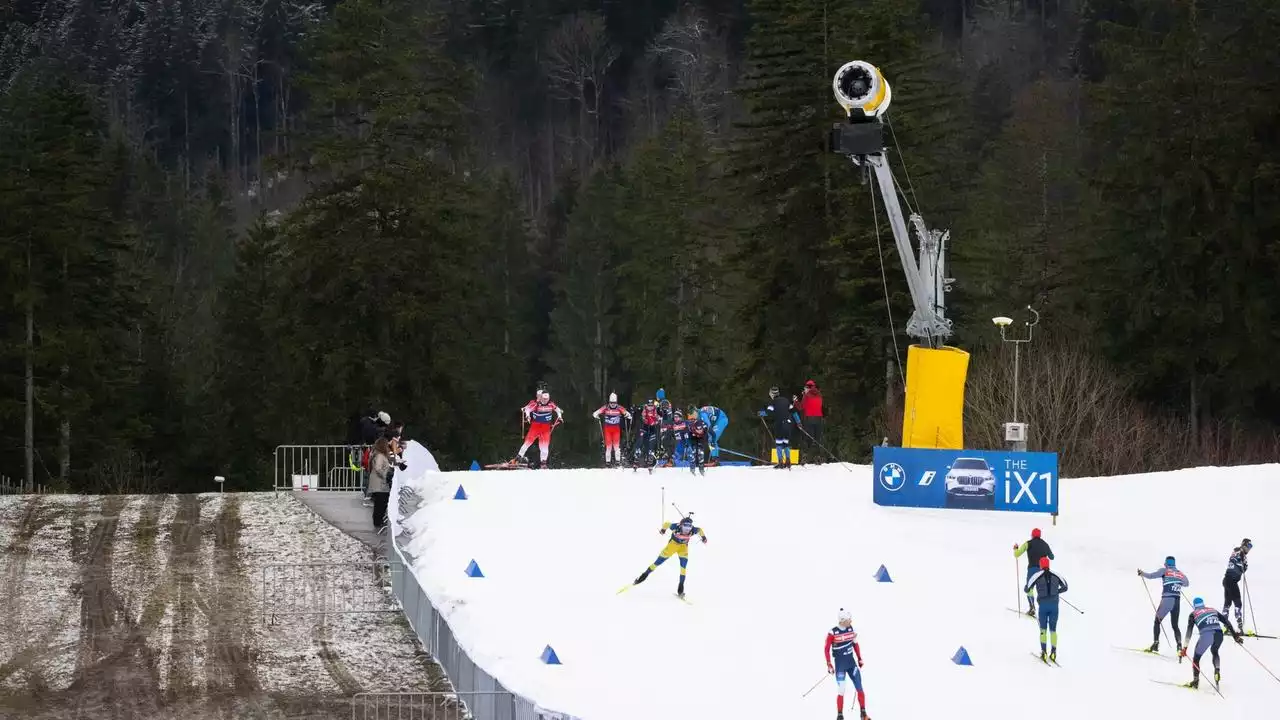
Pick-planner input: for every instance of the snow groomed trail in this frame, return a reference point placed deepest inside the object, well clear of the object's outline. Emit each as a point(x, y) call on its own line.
point(787, 549)
point(149, 607)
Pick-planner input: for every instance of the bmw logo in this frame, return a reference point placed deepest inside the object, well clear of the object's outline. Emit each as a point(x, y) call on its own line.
point(892, 476)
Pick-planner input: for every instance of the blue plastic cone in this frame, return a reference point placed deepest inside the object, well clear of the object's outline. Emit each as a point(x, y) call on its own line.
point(475, 464)
point(473, 570)
point(549, 656)
point(461, 494)
point(882, 575)
point(961, 657)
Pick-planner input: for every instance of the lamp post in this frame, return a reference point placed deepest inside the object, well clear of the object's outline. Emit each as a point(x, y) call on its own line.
point(1015, 433)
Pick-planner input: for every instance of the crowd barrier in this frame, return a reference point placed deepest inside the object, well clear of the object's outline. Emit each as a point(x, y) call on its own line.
point(491, 700)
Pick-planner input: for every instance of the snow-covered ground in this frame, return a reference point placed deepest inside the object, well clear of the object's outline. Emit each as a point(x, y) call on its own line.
point(155, 602)
point(787, 550)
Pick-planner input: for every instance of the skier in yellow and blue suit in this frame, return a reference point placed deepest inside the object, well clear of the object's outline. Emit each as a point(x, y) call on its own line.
point(681, 533)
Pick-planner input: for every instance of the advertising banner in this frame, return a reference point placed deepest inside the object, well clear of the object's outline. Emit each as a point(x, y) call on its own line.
point(966, 479)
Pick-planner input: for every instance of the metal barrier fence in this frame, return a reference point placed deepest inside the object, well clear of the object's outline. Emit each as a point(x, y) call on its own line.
point(307, 590)
point(437, 638)
point(9, 486)
point(319, 467)
point(432, 706)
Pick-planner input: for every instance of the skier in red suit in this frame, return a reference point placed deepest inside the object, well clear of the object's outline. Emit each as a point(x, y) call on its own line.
point(542, 415)
point(610, 416)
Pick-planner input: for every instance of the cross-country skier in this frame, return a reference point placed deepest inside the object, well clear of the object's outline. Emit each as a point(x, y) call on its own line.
point(648, 429)
point(681, 533)
point(699, 437)
point(1209, 622)
point(611, 426)
point(1173, 580)
point(844, 657)
point(1237, 565)
point(666, 435)
point(1048, 585)
point(679, 437)
point(542, 415)
point(1035, 548)
point(717, 420)
point(783, 414)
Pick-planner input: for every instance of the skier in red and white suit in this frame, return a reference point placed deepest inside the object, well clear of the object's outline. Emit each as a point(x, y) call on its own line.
point(542, 415)
point(610, 416)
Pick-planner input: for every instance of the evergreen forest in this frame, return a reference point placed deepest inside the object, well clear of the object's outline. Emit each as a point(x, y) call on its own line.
point(227, 225)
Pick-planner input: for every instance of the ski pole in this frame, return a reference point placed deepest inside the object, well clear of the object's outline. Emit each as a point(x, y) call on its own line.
point(742, 455)
point(1073, 607)
point(815, 442)
point(815, 686)
point(1016, 579)
point(664, 505)
point(777, 450)
point(1255, 659)
point(1154, 609)
point(1249, 600)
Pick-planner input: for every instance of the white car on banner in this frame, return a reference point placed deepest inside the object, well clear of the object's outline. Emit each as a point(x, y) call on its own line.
point(970, 478)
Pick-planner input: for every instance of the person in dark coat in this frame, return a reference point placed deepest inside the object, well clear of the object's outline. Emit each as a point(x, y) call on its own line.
point(1035, 548)
point(781, 414)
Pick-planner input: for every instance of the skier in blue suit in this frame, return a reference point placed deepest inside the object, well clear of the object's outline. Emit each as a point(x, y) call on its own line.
point(717, 420)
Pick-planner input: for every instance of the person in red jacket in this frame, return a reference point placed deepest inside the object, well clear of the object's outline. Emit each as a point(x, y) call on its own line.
point(810, 404)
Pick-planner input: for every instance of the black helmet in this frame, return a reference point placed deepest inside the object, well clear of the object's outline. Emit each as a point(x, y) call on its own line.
point(773, 391)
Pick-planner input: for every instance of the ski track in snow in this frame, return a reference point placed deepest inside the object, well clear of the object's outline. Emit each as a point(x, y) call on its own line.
point(176, 601)
point(786, 550)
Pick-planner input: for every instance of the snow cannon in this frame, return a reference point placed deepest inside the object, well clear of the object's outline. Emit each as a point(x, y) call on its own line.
point(861, 90)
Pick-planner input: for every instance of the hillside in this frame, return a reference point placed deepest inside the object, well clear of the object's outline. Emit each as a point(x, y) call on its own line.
point(787, 550)
point(151, 607)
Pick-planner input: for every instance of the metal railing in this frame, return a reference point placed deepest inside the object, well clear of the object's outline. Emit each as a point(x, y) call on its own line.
point(433, 706)
point(437, 637)
point(9, 486)
point(319, 467)
point(312, 590)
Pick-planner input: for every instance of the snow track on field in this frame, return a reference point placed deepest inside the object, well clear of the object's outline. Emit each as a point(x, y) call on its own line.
point(151, 606)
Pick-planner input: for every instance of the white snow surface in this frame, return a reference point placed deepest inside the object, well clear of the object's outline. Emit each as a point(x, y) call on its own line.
point(788, 549)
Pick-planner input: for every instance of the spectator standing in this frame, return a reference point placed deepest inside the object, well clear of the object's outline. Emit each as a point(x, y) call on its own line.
point(371, 428)
point(380, 468)
point(811, 415)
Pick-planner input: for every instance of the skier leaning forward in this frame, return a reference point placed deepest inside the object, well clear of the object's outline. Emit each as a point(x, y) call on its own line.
point(1209, 622)
point(1170, 600)
point(681, 533)
point(1048, 585)
point(844, 657)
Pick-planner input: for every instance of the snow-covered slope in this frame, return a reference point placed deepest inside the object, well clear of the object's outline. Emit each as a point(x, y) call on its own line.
point(787, 550)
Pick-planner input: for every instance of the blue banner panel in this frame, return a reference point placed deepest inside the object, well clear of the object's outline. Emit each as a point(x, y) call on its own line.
point(966, 479)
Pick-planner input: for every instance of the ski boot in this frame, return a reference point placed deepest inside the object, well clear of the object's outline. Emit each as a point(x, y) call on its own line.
point(1044, 658)
point(542, 465)
point(839, 716)
point(1053, 655)
point(1155, 647)
point(1195, 683)
point(862, 713)
point(643, 576)
point(1031, 608)
point(1217, 676)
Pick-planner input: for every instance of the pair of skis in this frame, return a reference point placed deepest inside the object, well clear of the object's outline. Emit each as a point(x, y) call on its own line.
point(1186, 685)
point(1045, 660)
point(628, 586)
